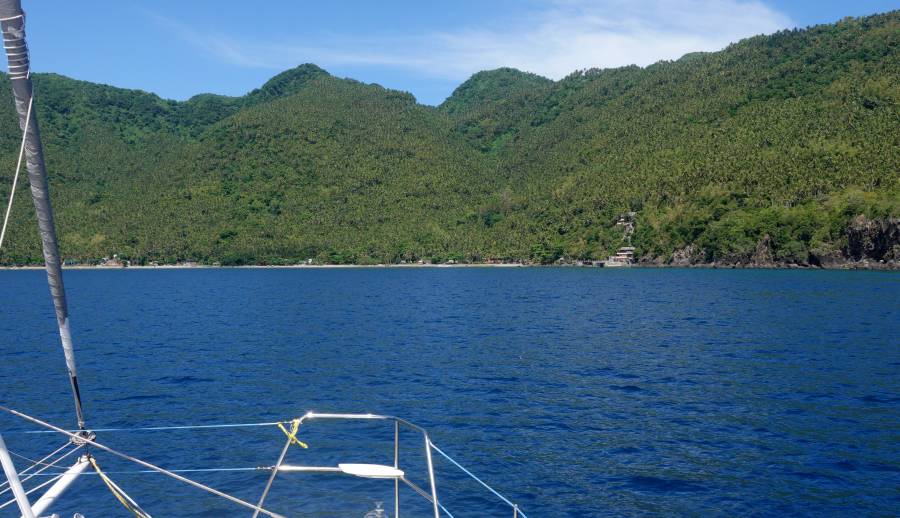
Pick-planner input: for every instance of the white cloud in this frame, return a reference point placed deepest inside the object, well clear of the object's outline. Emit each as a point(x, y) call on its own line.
point(553, 38)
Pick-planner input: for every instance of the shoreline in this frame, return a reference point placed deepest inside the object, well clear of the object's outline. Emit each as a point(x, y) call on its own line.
point(268, 266)
point(846, 267)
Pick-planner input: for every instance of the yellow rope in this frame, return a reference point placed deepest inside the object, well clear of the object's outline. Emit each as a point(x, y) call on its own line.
point(292, 435)
point(117, 492)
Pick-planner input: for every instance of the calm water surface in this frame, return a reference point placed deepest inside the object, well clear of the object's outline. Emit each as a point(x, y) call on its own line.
point(577, 392)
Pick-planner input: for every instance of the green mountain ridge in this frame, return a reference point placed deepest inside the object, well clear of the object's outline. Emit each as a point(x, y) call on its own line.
point(768, 152)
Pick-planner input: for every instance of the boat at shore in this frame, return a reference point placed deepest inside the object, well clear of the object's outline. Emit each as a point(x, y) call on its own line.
point(84, 443)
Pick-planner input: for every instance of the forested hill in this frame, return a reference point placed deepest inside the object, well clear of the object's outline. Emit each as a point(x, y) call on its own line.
point(780, 149)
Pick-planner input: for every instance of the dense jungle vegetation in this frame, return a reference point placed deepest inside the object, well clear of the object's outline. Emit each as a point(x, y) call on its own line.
point(777, 141)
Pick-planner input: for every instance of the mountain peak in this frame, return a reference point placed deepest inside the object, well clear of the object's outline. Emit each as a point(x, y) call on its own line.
point(490, 86)
point(287, 82)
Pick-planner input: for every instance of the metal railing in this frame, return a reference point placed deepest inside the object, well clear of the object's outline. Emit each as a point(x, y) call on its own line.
point(432, 494)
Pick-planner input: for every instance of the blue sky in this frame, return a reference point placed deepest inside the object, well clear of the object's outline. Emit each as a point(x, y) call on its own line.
point(180, 48)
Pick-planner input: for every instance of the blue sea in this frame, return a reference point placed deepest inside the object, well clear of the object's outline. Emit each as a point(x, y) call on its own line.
point(574, 392)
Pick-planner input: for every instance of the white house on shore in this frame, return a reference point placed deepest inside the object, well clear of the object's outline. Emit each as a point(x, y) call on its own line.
point(624, 257)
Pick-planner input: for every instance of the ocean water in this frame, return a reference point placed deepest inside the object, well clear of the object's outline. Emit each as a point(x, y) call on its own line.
point(575, 392)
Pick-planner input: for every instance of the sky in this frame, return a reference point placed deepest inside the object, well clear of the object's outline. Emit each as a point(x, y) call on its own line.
point(177, 49)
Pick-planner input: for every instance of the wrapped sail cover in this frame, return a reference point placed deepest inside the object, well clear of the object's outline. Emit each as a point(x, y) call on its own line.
point(12, 22)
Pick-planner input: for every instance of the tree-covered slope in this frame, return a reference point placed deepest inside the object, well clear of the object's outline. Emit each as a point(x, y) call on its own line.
point(780, 148)
point(339, 171)
point(770, 123)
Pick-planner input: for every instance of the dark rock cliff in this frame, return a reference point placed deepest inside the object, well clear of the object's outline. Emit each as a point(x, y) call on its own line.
point(873, 240)
point(870, 243)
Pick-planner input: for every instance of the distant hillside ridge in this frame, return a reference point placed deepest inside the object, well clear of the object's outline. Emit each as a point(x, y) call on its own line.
point(779, 150)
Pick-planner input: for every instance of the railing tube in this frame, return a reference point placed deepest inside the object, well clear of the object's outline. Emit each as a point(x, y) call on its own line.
point(396, 466)
point(434, 498)
point(275, 469)
point(53, 494)
point(14, 483)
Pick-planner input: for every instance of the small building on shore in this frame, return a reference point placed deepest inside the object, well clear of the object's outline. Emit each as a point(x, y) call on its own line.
point(624, 257)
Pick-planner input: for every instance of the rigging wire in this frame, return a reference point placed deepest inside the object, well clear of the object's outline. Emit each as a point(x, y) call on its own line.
point(46, 467)
point(12, 193)
point(186, 470)
point(291, 436)
point(35, 463)
point(146, 464)
point(483, 483)
point(32, 490)
point(161, 428)
point(426, 496)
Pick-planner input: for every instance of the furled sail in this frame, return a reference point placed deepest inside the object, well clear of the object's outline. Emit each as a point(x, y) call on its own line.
point(12, 23)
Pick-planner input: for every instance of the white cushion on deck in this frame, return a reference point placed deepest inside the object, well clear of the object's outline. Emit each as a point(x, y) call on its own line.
point(371, 470)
